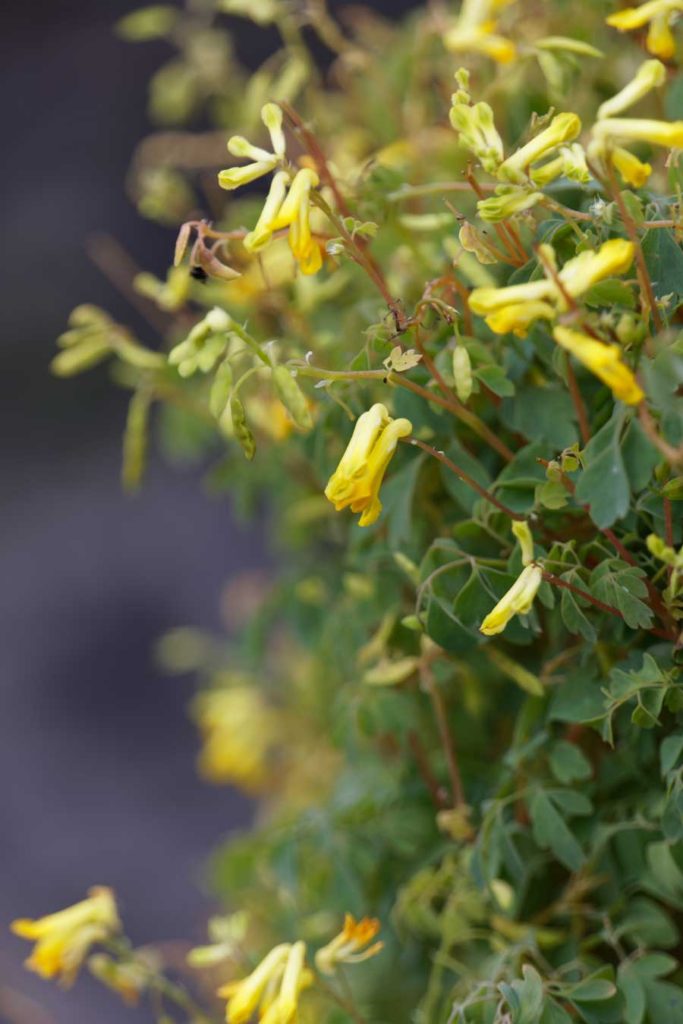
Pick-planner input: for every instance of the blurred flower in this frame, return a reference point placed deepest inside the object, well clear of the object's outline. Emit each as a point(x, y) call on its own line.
point(238, 728)
point(649, 75)
point(128, 978)
point(475, 30)
point(605, 361)
point(517, 601)
point(658, 15)
point(347, 946)
point(64, 938)
point(358, 477)
point(273, 988)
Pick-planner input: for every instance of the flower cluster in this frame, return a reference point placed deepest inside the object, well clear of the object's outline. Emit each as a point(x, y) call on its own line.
point(63, 939)
point(611, 131)
point(288, 203)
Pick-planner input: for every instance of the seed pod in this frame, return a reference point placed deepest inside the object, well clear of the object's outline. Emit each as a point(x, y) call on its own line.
point(462, 372)
point(135, 440)
point(292, 397)
point(220, 389)
point(79, 357)
point(241, 428)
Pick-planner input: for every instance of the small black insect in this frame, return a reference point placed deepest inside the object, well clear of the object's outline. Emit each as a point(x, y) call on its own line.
point(198, 273)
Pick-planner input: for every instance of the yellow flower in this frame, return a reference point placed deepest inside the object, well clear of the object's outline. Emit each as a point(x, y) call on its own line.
point(262, 160)
point(295, 213)
point(515, 307)
point(588, 268)
point(475, 30)
point(272, 988)
point(658, 14)
point(289, 209)
point(521, 530)
point(239, 729)
point(605, 361)
point(563, 128)
point(478, 133)
point(517, 601)
point(358, 477)
point(570, 162)
point(649, 75)
point(632, 170)
point(347, 946)
point(668, 134)
point(64, 938)
point(508, 200)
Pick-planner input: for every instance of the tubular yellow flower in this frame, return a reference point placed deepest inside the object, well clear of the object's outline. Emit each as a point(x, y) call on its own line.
point(64, 938)
point(522, 532)
point(657, 14)
point(668, 134)
point(295, 213)
point(475, 30)
point(570, 162)
point(649, 75)
point(358, 477)
point(563, 128)
point(605, 361)
point(239, 730)
point(272, 988)
point(347, 946)
point(517, 601)
point(263, 230)
point(508, 201)
point(514, 308)
point(588, 268)
point(632, 170)
point(518, 318)
point(478, 133)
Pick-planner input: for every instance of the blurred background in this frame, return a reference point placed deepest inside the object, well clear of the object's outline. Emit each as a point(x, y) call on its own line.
point(98, 782)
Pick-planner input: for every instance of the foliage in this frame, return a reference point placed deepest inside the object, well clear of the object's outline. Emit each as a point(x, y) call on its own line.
point(462, 716)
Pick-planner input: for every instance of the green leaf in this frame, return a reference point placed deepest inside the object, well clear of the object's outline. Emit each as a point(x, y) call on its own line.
point(633, 990)
point(542, 414)
point(495, 379)
point(603, 485)
point(622, 586)
point(610, 292)
point(669, 752)
point(552, 833)
point(578, 699)
point(573, 617)
point(664, 261)
point(569, 763)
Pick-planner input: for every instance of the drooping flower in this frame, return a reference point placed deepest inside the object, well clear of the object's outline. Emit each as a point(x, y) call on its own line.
point(592, 266)
point(476, 30)
point(63, 939)
point(658, 15)
point(605, 361)
point(517, 601)
point(515, 307)
point(358, 477)
point(351, 945)
point(273, 988)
